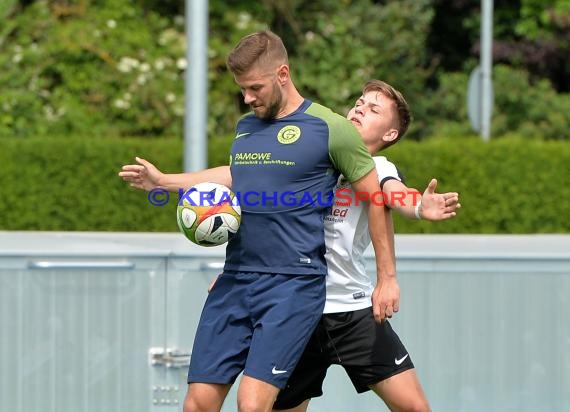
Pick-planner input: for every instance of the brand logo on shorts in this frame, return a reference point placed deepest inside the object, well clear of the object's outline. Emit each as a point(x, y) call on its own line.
point(358, 295)
point(399, 361)
point(276, 371)
point(288, 134)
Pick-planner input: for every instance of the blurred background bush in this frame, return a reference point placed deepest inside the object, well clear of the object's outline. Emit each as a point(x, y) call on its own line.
point(85, 85)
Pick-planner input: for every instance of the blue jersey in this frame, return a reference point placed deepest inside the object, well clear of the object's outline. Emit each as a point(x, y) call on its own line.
point(284, 172)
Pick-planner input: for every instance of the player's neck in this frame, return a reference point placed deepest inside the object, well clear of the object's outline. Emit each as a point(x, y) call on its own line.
point(373, 148)
point(292, 101)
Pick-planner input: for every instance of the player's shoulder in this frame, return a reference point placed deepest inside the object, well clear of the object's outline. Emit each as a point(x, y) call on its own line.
point(386, 168)
point(326, 114)
point(382, 161)
point(343, 136)
point(247, 118)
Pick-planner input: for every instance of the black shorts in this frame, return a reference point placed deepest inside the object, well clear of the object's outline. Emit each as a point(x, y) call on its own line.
point(369, 351)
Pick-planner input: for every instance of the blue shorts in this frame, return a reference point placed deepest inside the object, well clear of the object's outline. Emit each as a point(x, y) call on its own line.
point(258, 323)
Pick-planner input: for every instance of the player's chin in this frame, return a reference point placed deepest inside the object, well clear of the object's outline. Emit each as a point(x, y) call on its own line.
point(261, 113)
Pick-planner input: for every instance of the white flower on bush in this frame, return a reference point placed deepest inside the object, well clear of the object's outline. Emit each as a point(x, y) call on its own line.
point(170, 36)
point(159, 65)
point(122, 104)
point(53, 115)
point(111, 24)
point(181, 63)
point(243, 20)
point(144, 67)
point(170, 97)
point(162, 62)
point(17, 57)
point(126, 64)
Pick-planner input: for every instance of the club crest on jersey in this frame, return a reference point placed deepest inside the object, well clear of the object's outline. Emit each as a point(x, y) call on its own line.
point(288, 134)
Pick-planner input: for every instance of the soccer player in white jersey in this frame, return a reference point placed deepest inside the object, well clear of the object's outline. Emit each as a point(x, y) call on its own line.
point(348, 333)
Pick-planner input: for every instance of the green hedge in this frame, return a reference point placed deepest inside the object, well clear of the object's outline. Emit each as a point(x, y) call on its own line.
point(72, 184)
point(506, 186)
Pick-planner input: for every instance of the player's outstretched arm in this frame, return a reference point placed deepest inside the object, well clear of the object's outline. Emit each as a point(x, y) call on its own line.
point(434, 206)
point(143, 175)
point(386, 296)
point(146, 176)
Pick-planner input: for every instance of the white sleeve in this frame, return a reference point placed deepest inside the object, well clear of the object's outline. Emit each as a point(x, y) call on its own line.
point(386, 170)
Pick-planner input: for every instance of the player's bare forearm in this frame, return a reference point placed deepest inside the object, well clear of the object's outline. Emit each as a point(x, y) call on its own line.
point(410, 203)
point(176, 181)
point(386, 295)
point(382, 235)
point(379, 223)
point(403, 199)
point(144, 175)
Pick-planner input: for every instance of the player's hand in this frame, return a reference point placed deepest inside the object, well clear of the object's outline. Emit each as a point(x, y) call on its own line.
point(143, 175)
point(386, 298)
point(438, 206)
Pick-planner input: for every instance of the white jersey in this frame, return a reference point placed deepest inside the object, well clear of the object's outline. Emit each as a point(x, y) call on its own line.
point(349, 287)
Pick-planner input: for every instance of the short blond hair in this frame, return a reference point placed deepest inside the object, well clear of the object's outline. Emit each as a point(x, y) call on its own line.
point(264, 48)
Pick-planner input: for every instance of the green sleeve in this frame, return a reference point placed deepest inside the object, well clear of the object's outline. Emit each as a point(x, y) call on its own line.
point(346, 149)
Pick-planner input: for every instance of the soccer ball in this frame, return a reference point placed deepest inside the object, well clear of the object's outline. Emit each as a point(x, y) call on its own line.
point(208, 214)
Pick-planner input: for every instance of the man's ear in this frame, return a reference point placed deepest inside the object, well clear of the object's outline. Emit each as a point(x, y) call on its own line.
point(283, 74)
point(390, 135)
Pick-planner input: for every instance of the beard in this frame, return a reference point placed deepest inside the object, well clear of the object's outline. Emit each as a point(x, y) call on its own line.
point(274, 106)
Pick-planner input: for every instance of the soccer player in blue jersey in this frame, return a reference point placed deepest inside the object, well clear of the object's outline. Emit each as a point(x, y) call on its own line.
point(264, 307)
point(372, 353)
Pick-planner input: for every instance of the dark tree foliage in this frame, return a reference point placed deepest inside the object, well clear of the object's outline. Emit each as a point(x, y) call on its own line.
point(117, 67)
point(455, 37)
point(449, 40)
point(164, 7)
